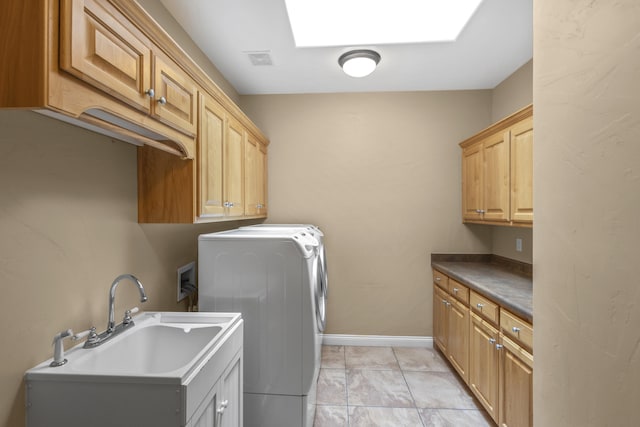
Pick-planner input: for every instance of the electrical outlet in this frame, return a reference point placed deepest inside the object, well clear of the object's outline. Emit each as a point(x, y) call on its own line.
point(186, 277)
point(518, 245)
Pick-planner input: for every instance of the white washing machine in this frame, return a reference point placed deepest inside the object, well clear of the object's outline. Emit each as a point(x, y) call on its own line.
point(272, 278)
point(315, 231)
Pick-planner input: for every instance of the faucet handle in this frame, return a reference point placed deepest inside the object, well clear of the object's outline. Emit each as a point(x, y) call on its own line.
point(90, 333)
point(58, 349)
point(127, 315)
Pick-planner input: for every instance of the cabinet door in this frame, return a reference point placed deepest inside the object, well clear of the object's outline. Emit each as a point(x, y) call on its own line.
point(522, 171)
point(496, 177)
point(250, 176)
point(234, 168)
point(516, 386)
point(440, 318)
point(175, 96)
point(230, 406)
point(261, 180)
point(207, 414)
point(472, 184)
point(458, 340)
point(255, 177)
point(210, 158)
point(102, 51)
point(484, 364)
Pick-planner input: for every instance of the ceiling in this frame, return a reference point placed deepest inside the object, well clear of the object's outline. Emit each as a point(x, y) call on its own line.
point(494, 44)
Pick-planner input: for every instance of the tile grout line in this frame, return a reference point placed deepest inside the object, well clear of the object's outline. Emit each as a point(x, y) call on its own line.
point(415, 406)
point(346, 383)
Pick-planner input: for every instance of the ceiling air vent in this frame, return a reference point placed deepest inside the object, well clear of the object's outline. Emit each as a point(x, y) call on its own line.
point(260, 58)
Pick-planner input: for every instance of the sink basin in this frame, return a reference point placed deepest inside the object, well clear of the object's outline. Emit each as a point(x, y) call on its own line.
point(152, 349)
point(161, 344)
point(169, 369)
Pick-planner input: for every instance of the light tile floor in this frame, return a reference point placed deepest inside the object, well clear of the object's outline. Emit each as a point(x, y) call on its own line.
point(394, 387)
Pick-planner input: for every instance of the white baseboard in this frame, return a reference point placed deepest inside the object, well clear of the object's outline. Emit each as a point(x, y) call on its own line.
point(377, 340)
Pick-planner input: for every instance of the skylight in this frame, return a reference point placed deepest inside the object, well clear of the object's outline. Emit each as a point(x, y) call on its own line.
point(363, 22)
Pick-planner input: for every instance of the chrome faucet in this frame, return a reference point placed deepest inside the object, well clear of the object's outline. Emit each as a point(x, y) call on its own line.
point(112, 297)
point(94, 339)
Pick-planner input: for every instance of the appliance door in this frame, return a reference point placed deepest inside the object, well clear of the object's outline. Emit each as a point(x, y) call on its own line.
point(319, 292)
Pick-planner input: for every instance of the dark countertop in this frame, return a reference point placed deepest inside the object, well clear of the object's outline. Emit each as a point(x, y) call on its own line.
point(510, 289)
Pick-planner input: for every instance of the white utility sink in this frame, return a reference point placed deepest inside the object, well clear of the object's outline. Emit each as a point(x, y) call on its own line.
point(159, 372)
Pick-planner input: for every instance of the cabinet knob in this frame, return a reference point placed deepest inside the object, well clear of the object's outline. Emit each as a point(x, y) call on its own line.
point(479, 305)
point(150, 92)
point(492, 340)
point(437, 279)
point(515, 329)
point(499, 346)
point(455, 290)
point(162, 100)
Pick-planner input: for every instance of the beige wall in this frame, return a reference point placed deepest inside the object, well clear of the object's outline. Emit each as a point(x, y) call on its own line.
point(515, 92)
point(68, 227)
point(587, 197)
point(380, 174)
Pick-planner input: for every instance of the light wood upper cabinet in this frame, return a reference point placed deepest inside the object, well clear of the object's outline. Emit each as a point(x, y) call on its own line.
point(117, 58)
point(174, 96)
point(234, 168)
point(472, 182)
point(495, 150)
point(107, 66)
point(211, 188)
point(497, 173)
point(210, 158)
point(522, 171)
point(255, 177)
point(98, 49)
point(104, 65)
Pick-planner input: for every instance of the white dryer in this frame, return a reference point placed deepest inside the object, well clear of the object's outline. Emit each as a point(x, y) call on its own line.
point(315, 231)
point(271, 277)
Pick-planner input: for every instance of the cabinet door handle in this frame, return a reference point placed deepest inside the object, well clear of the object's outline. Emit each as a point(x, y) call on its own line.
point(455, 290)
point(222, 407)
point(437, 279)
point(479, 305)
point(499, 346)
point(492, 340)
point(150, 92)
point(162, 100)
point(515, 330)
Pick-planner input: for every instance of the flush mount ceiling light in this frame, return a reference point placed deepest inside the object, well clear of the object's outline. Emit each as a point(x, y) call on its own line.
point(359, 63)
point(316, 23)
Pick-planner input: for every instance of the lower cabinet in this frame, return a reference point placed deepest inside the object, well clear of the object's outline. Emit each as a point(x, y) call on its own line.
point(490, 348)
point(459, 338)
point(451, 330)
point(440, 318)
point(484, 364)
point(516, 385)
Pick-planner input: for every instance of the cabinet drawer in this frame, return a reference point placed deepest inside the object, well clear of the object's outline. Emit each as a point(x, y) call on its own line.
point(440, 279)
point(485, 308)
point(516, 328)
point(459, 291)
